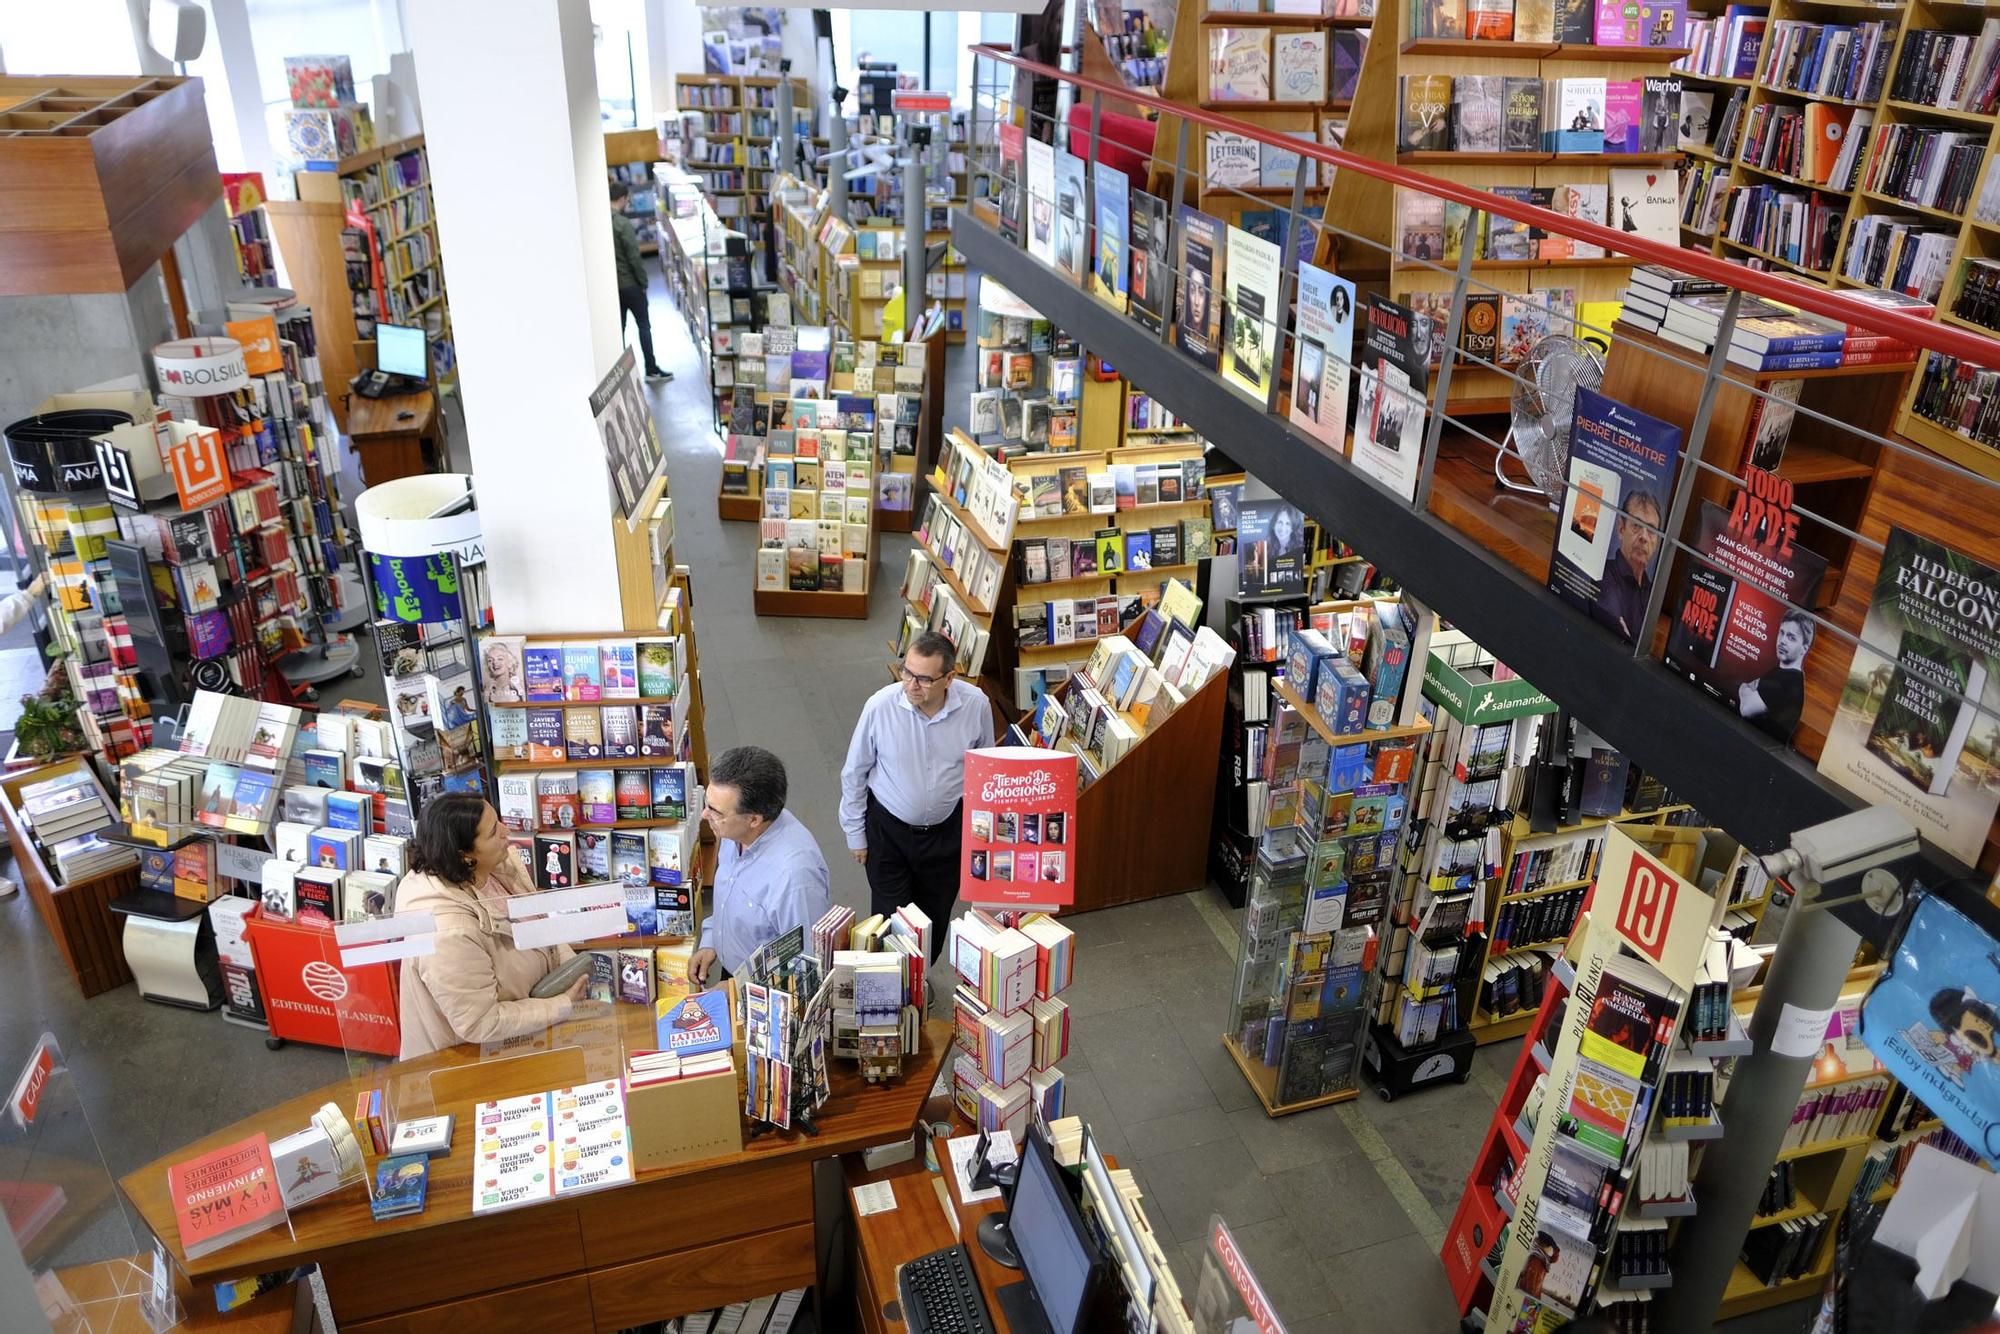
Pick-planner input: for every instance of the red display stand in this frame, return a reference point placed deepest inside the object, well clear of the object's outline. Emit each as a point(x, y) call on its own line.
point(309, 997)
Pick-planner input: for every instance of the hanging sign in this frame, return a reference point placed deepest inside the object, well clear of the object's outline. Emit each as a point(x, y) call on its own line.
point(200, 367)
point(1019, 821)
point(259, 337)
point(200, 469)
point(416, 590)
point(920, 102)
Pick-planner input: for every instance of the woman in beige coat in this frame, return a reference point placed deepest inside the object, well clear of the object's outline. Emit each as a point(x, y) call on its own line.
point(474, 987)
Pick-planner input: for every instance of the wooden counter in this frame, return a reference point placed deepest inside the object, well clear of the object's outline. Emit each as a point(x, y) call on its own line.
point(680, 1239)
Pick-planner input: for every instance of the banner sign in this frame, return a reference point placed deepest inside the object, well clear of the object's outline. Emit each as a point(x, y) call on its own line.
point(200, 367)
point(1019, 846)
point(416, 590)
point(566, 916)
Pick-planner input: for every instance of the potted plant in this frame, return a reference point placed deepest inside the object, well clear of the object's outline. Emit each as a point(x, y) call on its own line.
point(47, 726)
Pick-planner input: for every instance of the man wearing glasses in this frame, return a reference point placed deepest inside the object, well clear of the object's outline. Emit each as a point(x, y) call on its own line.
point(769, 874)
point(900, 787)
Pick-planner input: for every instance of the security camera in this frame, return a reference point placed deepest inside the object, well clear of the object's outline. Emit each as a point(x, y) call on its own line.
point(1849, 857)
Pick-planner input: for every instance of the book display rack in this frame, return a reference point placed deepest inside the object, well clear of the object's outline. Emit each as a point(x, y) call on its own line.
point(1142, 716)
point(685, 222)
point(729, 138)
point(798, 215)
point(395, 269)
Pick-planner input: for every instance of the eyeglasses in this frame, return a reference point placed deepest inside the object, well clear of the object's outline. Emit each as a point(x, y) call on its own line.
point(708, 808)
point(925, 681)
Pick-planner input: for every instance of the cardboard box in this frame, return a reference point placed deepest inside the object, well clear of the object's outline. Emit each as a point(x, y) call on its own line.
point(684, 1121)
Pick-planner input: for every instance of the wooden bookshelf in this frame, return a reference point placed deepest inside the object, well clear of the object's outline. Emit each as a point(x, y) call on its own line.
point(407, 284)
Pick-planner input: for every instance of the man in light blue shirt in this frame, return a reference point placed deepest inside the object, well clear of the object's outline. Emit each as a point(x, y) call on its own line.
point(905, 773)
point(769, 874)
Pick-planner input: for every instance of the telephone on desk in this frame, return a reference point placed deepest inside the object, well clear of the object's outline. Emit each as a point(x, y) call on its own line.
point(381, 384)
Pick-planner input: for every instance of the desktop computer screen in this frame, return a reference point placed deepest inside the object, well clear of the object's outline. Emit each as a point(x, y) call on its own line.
point(402, 351)
point(1057, 1251)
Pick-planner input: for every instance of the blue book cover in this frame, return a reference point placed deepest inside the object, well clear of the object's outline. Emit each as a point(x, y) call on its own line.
point(322, 850)
point(401, 1186)
point(1608, 535)
point(323, 769)
point(1113, 219)
point(1930, 1020)
point(670, 794)
point(696, 1024)
point(542, 672)
point(349, 810)
point(1789, 361)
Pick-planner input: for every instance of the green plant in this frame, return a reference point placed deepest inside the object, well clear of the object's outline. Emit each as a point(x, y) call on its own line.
point(47, 727)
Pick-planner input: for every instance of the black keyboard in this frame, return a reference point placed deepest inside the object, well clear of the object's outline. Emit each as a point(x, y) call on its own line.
point(940, 1293)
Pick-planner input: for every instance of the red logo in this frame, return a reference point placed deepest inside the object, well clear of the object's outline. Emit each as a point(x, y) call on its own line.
point(34, 1080)
point(1648, 906)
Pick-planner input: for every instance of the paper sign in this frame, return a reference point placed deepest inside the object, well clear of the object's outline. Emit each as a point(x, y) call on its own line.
point(566, 916)
point(1799, 1031)
point(877, 1197)
point(201, 472)
point(1661, 917)
point(1019, 827)
point(409, 935)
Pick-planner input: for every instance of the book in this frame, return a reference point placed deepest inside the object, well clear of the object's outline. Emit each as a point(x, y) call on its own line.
point(1621, 474)
point(1239, 64)
point(1576, 116)
point(583, 734)
point(1659, 114)
point(1438, 18)
point(1108, 269)
point(1199, 259)
point(1478, 111)
point(1349, 47)
point(1646, 202)
point(225, 1195)
point(1419, 225)
point(582, 673)
point(1231, 159)
point(1072, 248)
point(1321, 352)
point(1252, 319)
point(657, 668)
point(1041, 193)
point(1425, 123)
point(1534, 21)
point(1150, 274)
point(1298, 66)
point(1623, 107)
point(402, 1184)
point(1394, 373)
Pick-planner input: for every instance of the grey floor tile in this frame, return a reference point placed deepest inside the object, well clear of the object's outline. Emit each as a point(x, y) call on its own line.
point(1287, 1268)
point(1142, 1067)
point(1182, 1130)
point(1191, 1185)
point(1286, 1143)
point(1340, 1204)
point(1219, 1071)
point(1399, 1284)
point(1435, 1133)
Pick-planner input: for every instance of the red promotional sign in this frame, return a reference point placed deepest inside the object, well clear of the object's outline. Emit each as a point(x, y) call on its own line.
point(310, 998)
point(201, 472)
point(1647, 908)
point(1020, 828)
point(919, 102)
point(27, 1095)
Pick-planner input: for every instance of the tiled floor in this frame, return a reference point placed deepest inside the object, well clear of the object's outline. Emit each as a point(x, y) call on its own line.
point(1340, 1210)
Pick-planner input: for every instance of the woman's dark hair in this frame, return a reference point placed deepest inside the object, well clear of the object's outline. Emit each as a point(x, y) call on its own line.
point(446, 832)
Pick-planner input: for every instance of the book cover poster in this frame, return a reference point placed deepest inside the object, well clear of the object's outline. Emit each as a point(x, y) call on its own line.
point(1737, 631)
point(1042, 200)
point(1072, 225)
point(1198, 302)
point(1113, 213)
point(1918, 724)
point(1149, 276)
point(1646, 202)
point(1013, 149)
point(1621, 474)
point(1389, 420)
point(625, 427)
point(1270, 549)
point(1322, 348)
point(1019, 799)
point(1251, 313)
point(1930, 1020)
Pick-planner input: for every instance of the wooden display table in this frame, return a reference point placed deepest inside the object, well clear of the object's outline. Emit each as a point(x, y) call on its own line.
point(679, 1239)
point(78, 915)
point(389, 446)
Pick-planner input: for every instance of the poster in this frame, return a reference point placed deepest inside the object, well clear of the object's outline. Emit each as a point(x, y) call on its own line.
point(625, 426)
point(1737, 628)
point(1918, 724)
point(1930, 1020)
point(1020, 828)
point(1270, 549)
point(1321, 353)
point(1608, 535)
point(1251, 313)
point(1395, 371)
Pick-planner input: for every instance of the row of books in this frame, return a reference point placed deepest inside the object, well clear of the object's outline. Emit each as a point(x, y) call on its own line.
point(1781, 1190)
point(773, 1314)
point(983, 487)
point(1979, 293)
point(1818, 143)
point(1065, 621)
point(1282, 65)
point(1725, 45)
point(949, 615)
point(1572, 22)
point(1570, 861)
point(608, 731)
point(321, 894)
point(1905, 256)
point(516, 671)
point(1492, 113)
point(1801, 229)
point(1956, 71)
point(1960, 397)
point(572, 799)
point(1919, 164)
point(947, 543)
point(1687, 1091)
point(1767, 336)
point(1785, 1251)
point(1072, 490)
point(1544, 918)
point(1042, 560)
point(1662, 1171)
point(1848, 62)
point(1516, 982)
point(1638, 1253)
point(1841, 1112)
point(66, 815)
point(809, 557)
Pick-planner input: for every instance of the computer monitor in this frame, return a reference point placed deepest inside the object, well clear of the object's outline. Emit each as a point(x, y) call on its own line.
point(402, 351)
point(1058, 1253)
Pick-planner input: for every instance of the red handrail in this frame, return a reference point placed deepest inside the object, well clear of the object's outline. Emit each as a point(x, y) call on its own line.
point(1922, 333)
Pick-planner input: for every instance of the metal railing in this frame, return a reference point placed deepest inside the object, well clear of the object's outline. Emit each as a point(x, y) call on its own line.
point(1833, 448)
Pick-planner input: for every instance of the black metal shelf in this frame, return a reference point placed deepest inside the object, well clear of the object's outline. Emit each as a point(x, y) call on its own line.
point(1759, 789)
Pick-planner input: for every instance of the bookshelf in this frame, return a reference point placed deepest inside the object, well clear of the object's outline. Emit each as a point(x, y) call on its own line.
point(798, 211)
point(1383, 217)
point(629, 156)
point(250, 228)
point(394, 243)
point(684, 222)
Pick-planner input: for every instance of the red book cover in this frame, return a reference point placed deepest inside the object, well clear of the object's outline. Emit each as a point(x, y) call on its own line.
point(222, 1197)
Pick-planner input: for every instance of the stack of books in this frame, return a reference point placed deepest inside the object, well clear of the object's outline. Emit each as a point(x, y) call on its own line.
point(1008, 1030)
point(65, 815)
point(401, 1186)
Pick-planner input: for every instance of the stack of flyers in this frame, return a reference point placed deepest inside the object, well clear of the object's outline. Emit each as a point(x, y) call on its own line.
point(513, 1163)
point(592, 1149)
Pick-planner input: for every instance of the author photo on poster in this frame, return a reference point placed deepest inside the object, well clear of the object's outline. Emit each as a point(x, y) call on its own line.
point(1628, 578)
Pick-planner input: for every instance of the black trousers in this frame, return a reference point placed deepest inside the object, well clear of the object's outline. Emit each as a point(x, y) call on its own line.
point(910, 865)
point(632, 301)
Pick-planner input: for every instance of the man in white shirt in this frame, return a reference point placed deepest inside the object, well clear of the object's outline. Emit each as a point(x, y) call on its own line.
point(905, 772)
point(769, 874)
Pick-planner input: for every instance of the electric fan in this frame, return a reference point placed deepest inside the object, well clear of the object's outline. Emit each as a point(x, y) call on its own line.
point(1544, 402)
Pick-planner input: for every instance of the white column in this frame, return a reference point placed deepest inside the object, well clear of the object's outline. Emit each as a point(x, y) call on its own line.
point(242, 91)
point(673, 46)
point(524, 227)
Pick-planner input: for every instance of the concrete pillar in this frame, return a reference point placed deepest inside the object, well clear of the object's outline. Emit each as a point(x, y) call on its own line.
point(525, 232)
point(229, 38)
point(55, 344)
